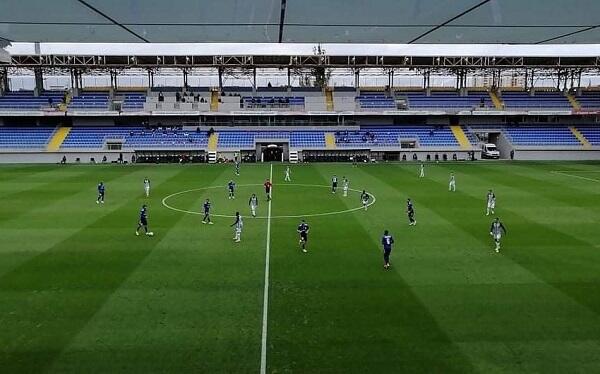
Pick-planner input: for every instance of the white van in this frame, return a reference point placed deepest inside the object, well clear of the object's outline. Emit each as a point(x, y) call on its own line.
point(489, 150)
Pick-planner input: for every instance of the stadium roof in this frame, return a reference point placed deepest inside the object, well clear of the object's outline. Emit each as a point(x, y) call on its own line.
point(302, 21)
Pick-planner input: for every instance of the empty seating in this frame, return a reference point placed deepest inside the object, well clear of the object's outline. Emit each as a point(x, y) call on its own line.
point(26, 137)
point(248, 139)
point(447, 100)
point(375, 101)
point(589, 99)
point(25, 100)
point(135, 138)
point(132, 101)
point(90, 101)
point(591, 133)
point(542, 136)
point(541, 100)
point(382, 136)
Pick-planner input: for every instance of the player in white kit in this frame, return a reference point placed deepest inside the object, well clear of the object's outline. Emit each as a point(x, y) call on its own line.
point(452, 183)
point(496, 231)
point(147, 186)
point(239, 224)
point(287, 175)
point(422, 174)
point(253, 202)
point(345, 186)
point(491, 203)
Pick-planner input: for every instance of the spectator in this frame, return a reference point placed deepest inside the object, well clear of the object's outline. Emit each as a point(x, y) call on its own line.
point(177, 97)
point(161, 97)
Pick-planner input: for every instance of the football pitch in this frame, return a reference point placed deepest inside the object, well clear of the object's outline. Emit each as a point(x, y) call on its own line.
point(79, 292)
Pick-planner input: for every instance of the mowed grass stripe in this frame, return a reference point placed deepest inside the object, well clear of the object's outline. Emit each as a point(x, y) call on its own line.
point(196, 296)
point(51, 297)
point(567, 262)
point(335, 309)
point(474, 294)
point(24, 201)
point(555, 257)
point(32, 232)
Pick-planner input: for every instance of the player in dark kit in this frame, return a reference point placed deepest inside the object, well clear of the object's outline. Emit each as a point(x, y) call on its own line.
point(334, 183)
point(231, 188)
point(143, 222)
point(410, 211)
point(303, 231)
point(268, 185)
point(206, 207)
point(387, 240)
point(100, 198)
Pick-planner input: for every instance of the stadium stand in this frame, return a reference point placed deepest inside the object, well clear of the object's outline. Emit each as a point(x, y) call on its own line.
point(273, 102)
point(25, 100)
point(541, 99)
point(90, 100)
point(589, 99)
point(591, 133)
point(375, 101)
point(134, 137)
point(247, 139)
point(384, 136)
point(541, 136)
point(447, 100)
point(132, 101)
point(25, 137)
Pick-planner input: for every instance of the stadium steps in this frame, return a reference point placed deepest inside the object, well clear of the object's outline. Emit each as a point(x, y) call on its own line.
point(582, 139)
point(214, 101)
point(330, 140)
point(58, 138)
point(460, 136)
point(496, 100)
point(329, 99)
point(573, 101)
point(213, 142)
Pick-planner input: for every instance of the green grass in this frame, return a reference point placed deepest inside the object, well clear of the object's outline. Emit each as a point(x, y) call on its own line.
point(80, 293)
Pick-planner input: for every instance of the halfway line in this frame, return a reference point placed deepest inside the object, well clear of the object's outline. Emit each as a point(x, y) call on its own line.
point(263, 350)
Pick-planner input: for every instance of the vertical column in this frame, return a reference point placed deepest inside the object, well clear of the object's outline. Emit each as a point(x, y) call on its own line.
point(3, 81)
point(253, 81)
point(39, 81)
point(220, 72)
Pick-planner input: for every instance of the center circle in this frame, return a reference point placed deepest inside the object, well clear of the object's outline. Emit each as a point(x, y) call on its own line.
point(169, 206)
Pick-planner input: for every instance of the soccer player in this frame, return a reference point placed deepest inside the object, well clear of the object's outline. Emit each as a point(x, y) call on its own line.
point(237, 167)
point(452, 183)
point(287, 175)
point(345, 185)
point(387, 240)
point(253, 202)
point(239, 224)
point(303, 231)
point(410, 211)
point(422, 174)
point(231, 188)
point(334, 183)
point(147, 186)
point(491, 203)
point(364, 198)
point(496, 231)
point(268, 186)
point(143, 222)
point(101, 188)
point(206, 206)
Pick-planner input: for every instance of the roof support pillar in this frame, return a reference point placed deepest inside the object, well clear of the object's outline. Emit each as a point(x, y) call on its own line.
point(220, 72)
point(185, 79)
point(253, 80)
point(3, 81)
point(39, 81)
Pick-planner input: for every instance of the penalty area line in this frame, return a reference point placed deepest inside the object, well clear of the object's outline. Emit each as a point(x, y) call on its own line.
point(263, 348)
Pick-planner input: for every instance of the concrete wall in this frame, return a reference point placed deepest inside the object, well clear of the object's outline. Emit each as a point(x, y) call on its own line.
point(55, 157)
point(557, 155)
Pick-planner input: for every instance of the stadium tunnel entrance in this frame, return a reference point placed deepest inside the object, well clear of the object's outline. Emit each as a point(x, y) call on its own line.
point(269, 152)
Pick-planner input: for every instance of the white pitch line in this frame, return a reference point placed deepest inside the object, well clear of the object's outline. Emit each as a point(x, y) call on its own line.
point(263, 350)
point(576, 176)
